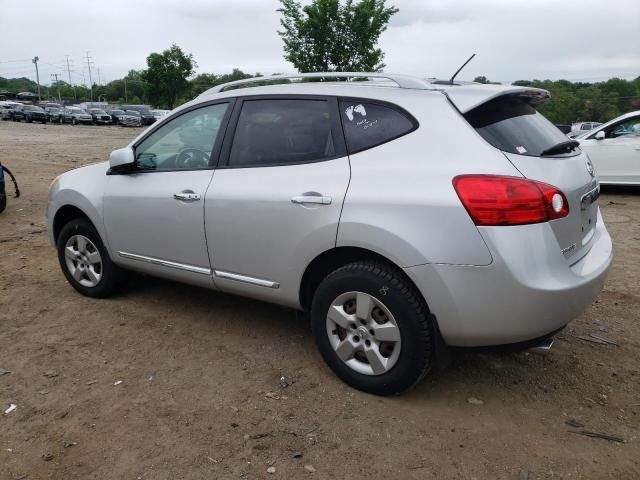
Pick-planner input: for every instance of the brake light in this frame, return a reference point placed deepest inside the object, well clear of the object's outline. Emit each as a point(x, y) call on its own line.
point(493, 200)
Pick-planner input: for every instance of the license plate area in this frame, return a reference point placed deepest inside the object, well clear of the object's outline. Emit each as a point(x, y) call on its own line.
point(589, 213)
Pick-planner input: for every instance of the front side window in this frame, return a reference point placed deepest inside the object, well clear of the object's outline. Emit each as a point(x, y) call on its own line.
point(184, 143)
point(510, 124)
point(628, 127)
point(278, 132)
point(367, 125)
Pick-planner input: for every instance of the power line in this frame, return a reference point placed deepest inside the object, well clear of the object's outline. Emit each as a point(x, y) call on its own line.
point(89, 63)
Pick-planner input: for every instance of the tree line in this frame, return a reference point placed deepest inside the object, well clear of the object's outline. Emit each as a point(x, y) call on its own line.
point(581, 101)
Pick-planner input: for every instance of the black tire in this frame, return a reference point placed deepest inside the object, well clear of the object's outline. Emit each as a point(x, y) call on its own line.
point(28, 120)
point(74, 122)
point(113, 276)
point(407, 306)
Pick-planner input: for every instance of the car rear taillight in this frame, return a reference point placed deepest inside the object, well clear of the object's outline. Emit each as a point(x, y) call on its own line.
point(493, 200)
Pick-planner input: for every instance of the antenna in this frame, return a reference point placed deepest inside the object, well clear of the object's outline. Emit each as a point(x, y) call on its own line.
point(460, 69)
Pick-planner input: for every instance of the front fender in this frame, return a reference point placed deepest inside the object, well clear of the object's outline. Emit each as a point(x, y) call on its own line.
point(83, 189)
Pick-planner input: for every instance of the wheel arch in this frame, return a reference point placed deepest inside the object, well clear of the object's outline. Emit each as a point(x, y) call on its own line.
point(330, 260)
point(64, 215)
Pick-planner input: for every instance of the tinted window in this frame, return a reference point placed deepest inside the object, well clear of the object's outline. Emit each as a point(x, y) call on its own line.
point(369, 124)
point(512, 125)
point(186, 142)
point(282, 131)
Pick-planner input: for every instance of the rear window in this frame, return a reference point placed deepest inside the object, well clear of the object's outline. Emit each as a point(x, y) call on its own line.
point(368, 124)
point(512, 125)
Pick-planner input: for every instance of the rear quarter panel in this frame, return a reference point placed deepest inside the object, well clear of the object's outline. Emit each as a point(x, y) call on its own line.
point(401, 202)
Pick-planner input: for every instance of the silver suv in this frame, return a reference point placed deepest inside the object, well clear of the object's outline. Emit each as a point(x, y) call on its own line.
point(402, 215)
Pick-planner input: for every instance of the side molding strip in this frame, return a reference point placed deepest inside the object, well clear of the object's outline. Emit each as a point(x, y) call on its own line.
point(246, 279)
point(166, 263)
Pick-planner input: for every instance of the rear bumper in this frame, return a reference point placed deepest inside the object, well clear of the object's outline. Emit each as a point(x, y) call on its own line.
point(528, 291)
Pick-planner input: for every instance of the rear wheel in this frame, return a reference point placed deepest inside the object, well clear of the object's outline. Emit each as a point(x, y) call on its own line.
point(372, 328)
point(85, 261)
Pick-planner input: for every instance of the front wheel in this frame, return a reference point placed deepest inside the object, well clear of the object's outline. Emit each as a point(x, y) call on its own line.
point(85, 261)
point(372, 328)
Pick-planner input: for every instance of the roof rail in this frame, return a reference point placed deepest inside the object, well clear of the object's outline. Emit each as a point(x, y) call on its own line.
point(403, 81)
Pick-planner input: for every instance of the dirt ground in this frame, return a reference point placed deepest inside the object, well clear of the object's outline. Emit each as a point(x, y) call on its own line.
point(200, 396)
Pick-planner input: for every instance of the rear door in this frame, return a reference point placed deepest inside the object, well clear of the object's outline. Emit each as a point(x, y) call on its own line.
point(511, 124)
point(275, 201)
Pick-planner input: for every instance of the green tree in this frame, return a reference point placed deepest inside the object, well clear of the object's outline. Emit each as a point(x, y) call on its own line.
point(167, 76)
point(329, 36)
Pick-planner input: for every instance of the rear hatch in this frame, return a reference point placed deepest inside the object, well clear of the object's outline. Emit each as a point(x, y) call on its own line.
point(541, 152)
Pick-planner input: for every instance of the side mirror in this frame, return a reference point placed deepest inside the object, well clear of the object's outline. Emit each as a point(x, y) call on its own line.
point(600, 135)
point(121, 159)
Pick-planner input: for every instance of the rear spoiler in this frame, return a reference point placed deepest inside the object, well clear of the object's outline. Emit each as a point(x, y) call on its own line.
point(469, 96)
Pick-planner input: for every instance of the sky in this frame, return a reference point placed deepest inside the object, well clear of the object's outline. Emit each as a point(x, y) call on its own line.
point(578, 40)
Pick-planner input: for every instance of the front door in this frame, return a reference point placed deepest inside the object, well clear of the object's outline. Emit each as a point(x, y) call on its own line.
point(275, 201)
point(154, 213)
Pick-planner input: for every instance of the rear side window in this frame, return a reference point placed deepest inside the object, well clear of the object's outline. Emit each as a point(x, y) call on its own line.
point(510, 124)
point(282, 131)
point(367, 124)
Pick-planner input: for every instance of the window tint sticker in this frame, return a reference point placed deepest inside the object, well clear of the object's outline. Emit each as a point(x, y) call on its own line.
point(363, 123)
point(351, 109)
point(521, 149)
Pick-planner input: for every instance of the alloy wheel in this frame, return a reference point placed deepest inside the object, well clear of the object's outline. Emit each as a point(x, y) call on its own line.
point(83, 260)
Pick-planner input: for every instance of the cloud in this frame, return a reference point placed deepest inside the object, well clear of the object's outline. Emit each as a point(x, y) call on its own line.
point(514, 39)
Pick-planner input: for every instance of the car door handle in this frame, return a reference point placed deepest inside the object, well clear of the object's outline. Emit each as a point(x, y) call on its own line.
point(187, 196)
point(315, 199)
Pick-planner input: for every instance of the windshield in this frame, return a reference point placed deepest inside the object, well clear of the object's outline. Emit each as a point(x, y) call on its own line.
point(133, 112)
point(510, 124)
point(117, 112)
point(33, 109)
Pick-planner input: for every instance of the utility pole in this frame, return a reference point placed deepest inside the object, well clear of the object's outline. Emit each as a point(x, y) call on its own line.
point(125, 90)
point(70, 82)
point(54, 77)
point(35, 62)
point(99, 83)
point(89, 63)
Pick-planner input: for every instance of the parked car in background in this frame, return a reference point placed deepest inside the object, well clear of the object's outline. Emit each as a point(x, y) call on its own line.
point(130, 118)
point(115, 116)
point(7, 108)
point(17, 113)
point(614, 149)
point(158, 114)
point(54, 114)
point(581, 128)
point(45, 105)
point(100, 117)
point(34, 114)
point(146, 116)
point(330, 198)
point(79, 116)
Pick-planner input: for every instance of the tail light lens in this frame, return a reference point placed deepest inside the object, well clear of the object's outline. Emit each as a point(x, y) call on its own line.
point(493, 200)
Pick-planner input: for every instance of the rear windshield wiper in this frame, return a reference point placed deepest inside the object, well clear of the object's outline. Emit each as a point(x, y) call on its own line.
point(562, 147)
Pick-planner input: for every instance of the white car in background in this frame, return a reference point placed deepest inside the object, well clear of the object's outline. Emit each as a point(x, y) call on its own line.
point(158, 114)
point(614, 149)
